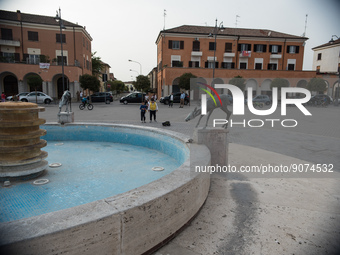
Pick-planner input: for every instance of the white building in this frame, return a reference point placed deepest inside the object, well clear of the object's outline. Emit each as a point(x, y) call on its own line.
point(326, 58)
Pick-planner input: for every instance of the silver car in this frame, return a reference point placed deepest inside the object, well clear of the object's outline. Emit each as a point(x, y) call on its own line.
point(10, 98)
point(38, 97)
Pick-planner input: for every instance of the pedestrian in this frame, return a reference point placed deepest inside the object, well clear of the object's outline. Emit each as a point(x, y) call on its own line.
point(78, 96)
point(3, 97)
point(171, 100)
point(81, 95)
point(147, 97)
point(155, 97)
point(182, 100)
point(153, 108)
point(143, 108)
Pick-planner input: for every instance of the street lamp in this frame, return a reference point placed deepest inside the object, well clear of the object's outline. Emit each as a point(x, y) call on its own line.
point(139, 65)
point(332, 40)
point(61, 25)
point(134, 71)
point(218, 28)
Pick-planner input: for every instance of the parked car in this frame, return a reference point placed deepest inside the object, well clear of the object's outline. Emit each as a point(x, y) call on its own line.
point(135, 97)
point(10, 98)
point(101, 97)
point(262, 99)
point(319, 98)
point(177, 96)
point(39, 96)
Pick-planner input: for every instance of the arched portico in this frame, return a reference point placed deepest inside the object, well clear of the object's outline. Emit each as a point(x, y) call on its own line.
point(9, 84)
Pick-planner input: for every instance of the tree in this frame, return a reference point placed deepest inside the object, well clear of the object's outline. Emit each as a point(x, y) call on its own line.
point(142, 83)
point(317, 84)
point(184, 81)
point(117, 86)
point(34, 81)
point(279, 83)
point(239, 82)
point(97, 65)
point(89, 82)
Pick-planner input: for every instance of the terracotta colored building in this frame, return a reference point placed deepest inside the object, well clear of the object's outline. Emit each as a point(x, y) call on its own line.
point(31, 44)
point(258, 55)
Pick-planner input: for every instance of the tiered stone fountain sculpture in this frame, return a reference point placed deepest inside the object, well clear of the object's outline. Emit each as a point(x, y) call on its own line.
point(20, 143)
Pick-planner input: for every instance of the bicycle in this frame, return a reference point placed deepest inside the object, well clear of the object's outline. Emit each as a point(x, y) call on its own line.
point(87, 104)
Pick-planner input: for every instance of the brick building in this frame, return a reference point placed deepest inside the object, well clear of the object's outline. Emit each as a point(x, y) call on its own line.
point(258, 55)
point(31, 44)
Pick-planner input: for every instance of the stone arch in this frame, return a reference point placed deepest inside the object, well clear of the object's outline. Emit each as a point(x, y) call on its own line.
point(251, 83)
point(302, 84)
point(9, 84)
point(195, 93)
point(57, 85)
point(265, 87)
point(26, 84)
point(336, 90)
point(175, 85)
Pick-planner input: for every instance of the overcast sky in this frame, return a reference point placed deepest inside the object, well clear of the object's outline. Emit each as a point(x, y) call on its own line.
point(128, 29)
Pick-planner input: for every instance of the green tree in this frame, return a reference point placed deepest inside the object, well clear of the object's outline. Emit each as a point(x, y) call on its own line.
point(279, 83)
point(97, 65)
point(89, 82)
point(317, 84)
point(34, 81)
point(184, 81)
point(239, 82)
point(117, 86)
point(142, 83)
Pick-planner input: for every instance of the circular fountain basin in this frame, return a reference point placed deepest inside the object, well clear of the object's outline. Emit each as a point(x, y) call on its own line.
point(127, 220)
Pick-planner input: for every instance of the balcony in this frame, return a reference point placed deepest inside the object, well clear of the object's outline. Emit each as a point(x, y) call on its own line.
point(196, 53)
point(229, 54)
point(275, 56)
point(13, 43)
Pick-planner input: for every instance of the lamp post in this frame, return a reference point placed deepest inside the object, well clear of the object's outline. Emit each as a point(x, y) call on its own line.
point(139, 65)
point(218, 28)
point(61, 25)
point(134, 71)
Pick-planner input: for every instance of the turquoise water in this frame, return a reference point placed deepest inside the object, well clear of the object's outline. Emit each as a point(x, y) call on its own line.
point(90, 170)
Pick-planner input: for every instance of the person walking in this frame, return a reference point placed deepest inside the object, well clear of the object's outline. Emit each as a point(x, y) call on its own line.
point(153, 108)
point(171, 100)
point(3, 97)
point(182, 100)
point(143, 108)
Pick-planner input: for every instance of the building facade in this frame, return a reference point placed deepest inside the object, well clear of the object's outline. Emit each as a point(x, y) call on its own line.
point(31, 44)
point(257, 55)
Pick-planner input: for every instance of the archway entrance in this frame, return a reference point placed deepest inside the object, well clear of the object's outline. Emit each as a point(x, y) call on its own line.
point(11, 85)
point(60, 88)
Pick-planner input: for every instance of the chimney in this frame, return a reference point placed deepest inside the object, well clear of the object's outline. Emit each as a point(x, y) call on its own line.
point(19, 14)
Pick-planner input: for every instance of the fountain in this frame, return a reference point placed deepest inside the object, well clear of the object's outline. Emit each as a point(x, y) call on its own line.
point(135, 221)
point(20, 143)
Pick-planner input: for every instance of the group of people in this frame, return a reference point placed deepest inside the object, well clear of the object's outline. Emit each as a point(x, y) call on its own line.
point(150, 106)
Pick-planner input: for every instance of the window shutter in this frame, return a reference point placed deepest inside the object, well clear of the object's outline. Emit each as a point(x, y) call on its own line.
point(190, 63)
point(239, 47)
point(249, 47)
point(197, 64)
point(57, 37)
point(264, 48)
point(288, 47)
point(206, 64)
point(170, 44)
point(233, 65)
point(181, 45)
point(270, 48)
point(297, 49)
point(25, 57)
point(216, 64)
point(280, 48)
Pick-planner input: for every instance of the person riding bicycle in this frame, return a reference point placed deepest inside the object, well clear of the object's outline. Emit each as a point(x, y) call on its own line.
point(84, 101)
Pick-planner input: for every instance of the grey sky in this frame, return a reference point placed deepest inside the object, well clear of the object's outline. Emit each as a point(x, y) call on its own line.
point(123, 30)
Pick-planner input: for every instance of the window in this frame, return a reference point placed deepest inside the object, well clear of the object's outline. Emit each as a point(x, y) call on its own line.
point(243, 65)
point(176, 63)
point(59, 60)
point(87, 65)
point(260, 47)
point(83, 42)
point(275, 49)
point(228, 65)
point(58, 38)
point(176, 45)
point(6, 34)
point(228, 47)
point(34, 59)
point(319, 56)
point(272, 66)
point(291, 67)
point(210, 64)
point(292, 49)
point(258, 66)
point(33, 36)
point(212, 46)
point(244, 47)
point(8, 57)
point(194, 64)
point(195, 46)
